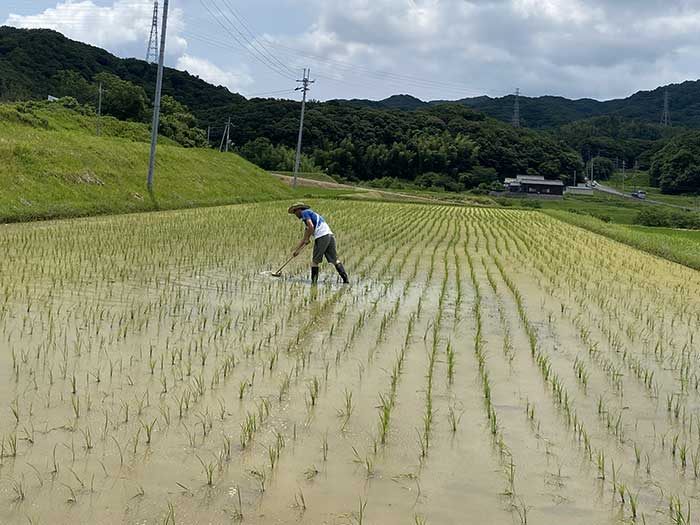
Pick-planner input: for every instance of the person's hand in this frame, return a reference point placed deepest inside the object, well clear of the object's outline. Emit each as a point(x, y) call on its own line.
point(296, 252)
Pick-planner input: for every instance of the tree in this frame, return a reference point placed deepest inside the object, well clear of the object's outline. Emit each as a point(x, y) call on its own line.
point(122, 99)
point(179, 124)
point(71, 84)
point(602, 168)
point(676, 168)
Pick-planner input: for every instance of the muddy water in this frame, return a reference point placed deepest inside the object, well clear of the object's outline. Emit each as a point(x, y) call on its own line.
point(151, 372)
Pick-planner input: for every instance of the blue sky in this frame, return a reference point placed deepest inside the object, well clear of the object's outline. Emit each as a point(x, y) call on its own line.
point(433, 49)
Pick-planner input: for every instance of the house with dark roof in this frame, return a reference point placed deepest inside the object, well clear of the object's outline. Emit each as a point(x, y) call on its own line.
point(534, 185)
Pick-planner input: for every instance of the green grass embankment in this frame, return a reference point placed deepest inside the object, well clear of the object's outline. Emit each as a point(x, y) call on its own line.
point(53, 166)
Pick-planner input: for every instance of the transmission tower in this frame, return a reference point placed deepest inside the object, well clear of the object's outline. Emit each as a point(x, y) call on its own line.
point(666, 116)
point(516, 109)
point(152, 52)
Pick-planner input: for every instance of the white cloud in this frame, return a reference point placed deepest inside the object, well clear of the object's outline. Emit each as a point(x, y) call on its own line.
point(234, 80)
point(575, 48)
point(115, 26)
point(572, 11)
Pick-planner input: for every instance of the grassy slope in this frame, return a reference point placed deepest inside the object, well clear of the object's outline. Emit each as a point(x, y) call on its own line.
point(52, 165)
point(676, 245)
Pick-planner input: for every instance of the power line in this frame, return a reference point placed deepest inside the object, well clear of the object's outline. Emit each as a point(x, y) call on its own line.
point(255, 53)
point(404, 81)
point(279, 92)
point(255, 42)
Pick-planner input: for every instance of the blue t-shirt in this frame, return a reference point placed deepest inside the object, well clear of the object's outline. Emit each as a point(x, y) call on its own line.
point(320, 225)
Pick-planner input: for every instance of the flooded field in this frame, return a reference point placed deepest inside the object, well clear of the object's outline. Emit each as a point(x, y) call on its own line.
point(485, 366)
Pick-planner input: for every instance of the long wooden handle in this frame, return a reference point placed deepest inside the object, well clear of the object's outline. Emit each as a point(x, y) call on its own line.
point(285, 264)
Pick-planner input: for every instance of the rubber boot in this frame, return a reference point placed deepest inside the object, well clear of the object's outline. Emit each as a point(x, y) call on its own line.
point(343, 274)
point(314, 275)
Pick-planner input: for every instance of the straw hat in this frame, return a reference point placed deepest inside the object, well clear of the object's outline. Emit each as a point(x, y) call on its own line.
point(297, 206)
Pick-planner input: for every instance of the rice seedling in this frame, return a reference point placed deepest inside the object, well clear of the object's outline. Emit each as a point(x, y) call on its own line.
point(18, 490)
point(453, 418)
point(362, 508)
point(300, 501)
point(261, 478)
point(367, 462)
point(208, 469)
point(170, 516)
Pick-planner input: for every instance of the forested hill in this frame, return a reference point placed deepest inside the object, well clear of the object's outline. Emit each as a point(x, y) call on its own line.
point(31, 59)
point(550, 112)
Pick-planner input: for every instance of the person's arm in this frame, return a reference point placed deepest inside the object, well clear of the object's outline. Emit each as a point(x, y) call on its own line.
point(307, 236)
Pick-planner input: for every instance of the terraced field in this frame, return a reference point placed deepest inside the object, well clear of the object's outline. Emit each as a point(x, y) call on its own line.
point(485, 366)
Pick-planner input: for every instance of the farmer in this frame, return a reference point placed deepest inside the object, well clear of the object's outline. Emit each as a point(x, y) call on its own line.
point(324, 240)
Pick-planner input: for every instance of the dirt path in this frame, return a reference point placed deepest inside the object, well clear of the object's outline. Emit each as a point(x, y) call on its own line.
point(369, 193)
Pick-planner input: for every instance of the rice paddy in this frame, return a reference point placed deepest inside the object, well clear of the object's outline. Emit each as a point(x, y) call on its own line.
point(485, 366)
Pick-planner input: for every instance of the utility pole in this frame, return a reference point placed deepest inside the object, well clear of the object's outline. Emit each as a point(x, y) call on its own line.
point(156, 105)
point(99, 109)
point(228, 134)
point(587, 168)
point(304, 88)
point(224, 137)
point(666, 116)
point(152, 51)
point(516, 109)
point(208, 136)
point(624, 165)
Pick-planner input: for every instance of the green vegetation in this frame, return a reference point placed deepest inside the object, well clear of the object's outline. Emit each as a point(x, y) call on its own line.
point(279, 157)
point(674, 245)
point(676, 168)
point(55, 166)
point(360, 144)
point(668, 218)
point(606, 208)
point(616, 138)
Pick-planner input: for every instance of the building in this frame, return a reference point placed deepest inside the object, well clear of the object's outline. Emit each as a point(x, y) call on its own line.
point(581, 189)
point(534, 185)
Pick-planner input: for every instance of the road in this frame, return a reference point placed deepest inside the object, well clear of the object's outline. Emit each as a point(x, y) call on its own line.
point(618, 193)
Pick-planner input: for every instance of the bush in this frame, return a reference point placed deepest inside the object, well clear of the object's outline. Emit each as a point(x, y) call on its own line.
point(438, 182)
point(391, 183)
point(666, 218)
point(503, 201)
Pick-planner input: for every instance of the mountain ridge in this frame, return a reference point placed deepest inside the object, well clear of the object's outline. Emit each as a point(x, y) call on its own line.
point(646, 105)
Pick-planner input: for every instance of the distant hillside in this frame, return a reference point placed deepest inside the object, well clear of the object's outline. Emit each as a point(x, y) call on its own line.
point(402, 102)
point(550, 111)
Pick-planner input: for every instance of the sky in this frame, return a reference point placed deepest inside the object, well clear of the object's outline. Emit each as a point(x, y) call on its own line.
point(431, 49)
